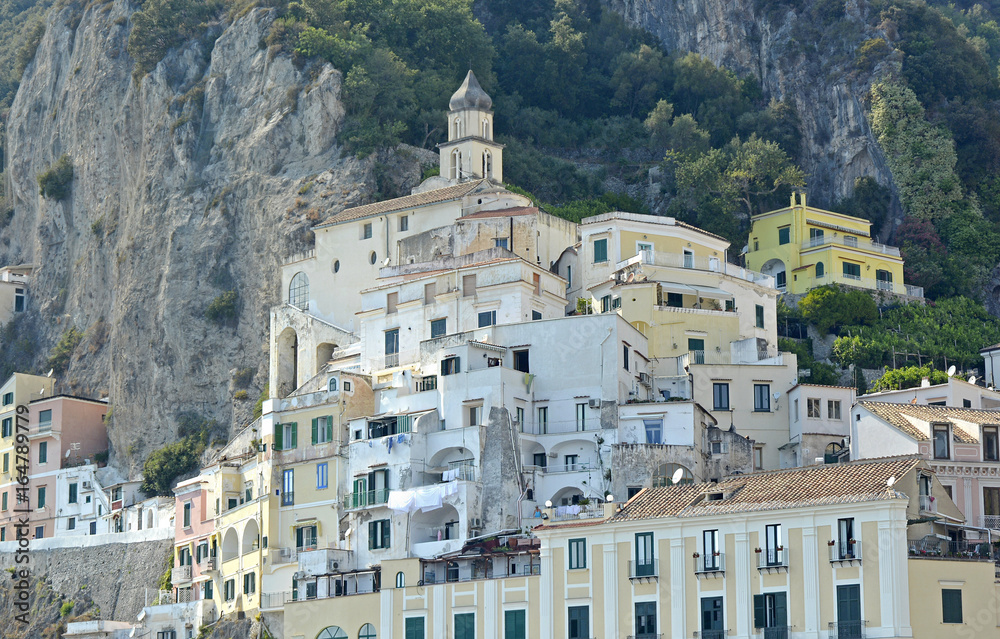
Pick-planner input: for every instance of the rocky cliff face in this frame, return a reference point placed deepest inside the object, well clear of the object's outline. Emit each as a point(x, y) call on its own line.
point(198, 180)
point(784, 51)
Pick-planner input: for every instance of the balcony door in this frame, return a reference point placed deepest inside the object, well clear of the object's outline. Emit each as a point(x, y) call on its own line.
point(991, 507)
point(849, 624)
point(579, 622)
point(712, 621)
point(645, 620)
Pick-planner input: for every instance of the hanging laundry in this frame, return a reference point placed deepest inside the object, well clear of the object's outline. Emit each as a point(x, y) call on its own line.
point(388, 443)
point(401, 500)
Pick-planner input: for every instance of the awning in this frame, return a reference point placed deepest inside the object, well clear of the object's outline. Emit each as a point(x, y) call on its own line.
point(678, 288)
point(488, 346)
point(711, 291)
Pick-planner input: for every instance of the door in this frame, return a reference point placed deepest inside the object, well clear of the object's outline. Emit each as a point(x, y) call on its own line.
point(697, 349)
point(392, 348)
point(712, 623)
point(846, 546)
point(579, 622)
point(645, 620)
point(991, 507)
point(849, 622)
point(772, 534)
point(770, 614)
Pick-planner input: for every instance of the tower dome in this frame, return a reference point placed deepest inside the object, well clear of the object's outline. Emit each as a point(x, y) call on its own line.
point(470, 96)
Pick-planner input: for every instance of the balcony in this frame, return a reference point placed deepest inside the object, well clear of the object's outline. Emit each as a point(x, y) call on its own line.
point(927, 504)
point(180, 575)
point(845, 552)
point(698, 263)
point(647, 635)
point(274, 600)
point(850, 241)
point(990, 521)
point(645, 570)
point(934, 548)
point(848, 629)
point(578, 511)
point(710, 565)
point(775, 632)
point(366, 498)
point(772, 560)
point(288, 498)
point(487, 567)
point(711, 634)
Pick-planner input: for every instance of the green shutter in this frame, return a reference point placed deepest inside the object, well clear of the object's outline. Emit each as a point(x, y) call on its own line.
point(758, 611)
point(315, 430)
point(465, 625)
point(329, 428)
point(295, 435)
point(414, 628)
point(780, 609)
point(513, 625)
point(386, 532)
point(371, 535)
point(279, 433)
point(951, 604)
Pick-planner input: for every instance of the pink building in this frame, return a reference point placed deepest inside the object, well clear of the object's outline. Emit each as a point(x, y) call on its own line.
point(195, 548)
point(63, 431)
point(962, 446)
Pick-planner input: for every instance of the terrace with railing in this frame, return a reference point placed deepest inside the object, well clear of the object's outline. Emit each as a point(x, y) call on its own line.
point(935, 548)
point(697, 263)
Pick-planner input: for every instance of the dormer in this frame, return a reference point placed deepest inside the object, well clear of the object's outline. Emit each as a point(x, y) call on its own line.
point(470, 152)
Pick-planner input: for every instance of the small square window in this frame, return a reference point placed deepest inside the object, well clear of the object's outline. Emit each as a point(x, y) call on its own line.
point(366, 231)
point(439, 327)
point(951, 604)
point(487, 318)
point(784, 235)
point(600, 251)
point(404, 223)
point(577, 554)
point(812, 407)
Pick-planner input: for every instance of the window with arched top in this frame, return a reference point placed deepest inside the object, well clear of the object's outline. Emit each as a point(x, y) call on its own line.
point(664, 475)
point(457, 128)
point(820, 269)
point(400, 580)
point(298, 291)
point(332, 385)
point(368, 631)
point(332, 632)
point(456, 160)
point(487, 164)
point(486, 128)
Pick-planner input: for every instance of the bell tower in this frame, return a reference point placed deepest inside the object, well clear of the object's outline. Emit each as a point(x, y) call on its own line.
point(470, 152)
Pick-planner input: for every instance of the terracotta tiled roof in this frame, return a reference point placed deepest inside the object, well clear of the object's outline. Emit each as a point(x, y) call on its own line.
point(989, 348)
point(406, 202)
point(914, 419)
point(853, 482)
point(510, 212)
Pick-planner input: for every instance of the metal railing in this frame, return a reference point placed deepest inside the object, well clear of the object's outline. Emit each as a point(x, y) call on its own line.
point(288, 498)
point(366, 498)
point(442, 574)
point(711, 634)
point(926, 503)
point(848, 629)
point(585, 511)
point(648, 568)
point(647, 635)
point(846, 550)
point(851, 241)
point(772, 558)
point(698, 263)
point(775, 632)
point(427, 384)
point(710, 563)
point(990, 521)
point(943, 549)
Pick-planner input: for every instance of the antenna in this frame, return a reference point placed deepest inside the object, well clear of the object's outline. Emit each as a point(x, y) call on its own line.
point(951, 371)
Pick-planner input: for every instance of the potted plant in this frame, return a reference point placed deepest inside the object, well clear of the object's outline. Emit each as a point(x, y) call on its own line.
point(757, 550)
point(831, 543)
point(696, 555)
point(850, 541)
point(780, 548)
point(716, 553)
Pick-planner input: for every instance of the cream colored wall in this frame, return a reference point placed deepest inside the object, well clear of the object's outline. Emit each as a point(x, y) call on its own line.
point(980, 599)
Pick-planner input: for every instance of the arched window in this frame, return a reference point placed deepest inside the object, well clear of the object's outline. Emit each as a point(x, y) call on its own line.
point(664, 475)
point(400, 580)
point(820, 269)
point(456, 160)
point(487, 164)
point(298, 291)
point(486, 128)
point(457, 128)
point(333, 385)
point(332, 632)
point(368, 631)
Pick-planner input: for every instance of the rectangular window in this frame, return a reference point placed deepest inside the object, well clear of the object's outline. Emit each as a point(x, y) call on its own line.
point(391, 301)
point(951, 605)
point(514, 626)
point(543, 419)
point(249, 584)
point(772, 541)
point(780, 279)
point(439, 327)
point(605, 303)
point(392, 347)
point(41, 497)
point(230, 589)
point(430, 290)
point(942, 442)
point(569, 276)
point(712, 619)
point(366, 231)
point(321, 476)
point(208, 590)
point(413, 628)
point(625, 355)
point(688, 259)
point(644, 557)
point(73, 487)
point(579, 622)
point(475, 415)
point(852, 271)
point(379, 532)
point(540, 460)
point(760, 315)
point(571, 462)
point(286, 436)
point(6, 462)
point(812, 407)
point(654, 430)
point(720, 396)
point(762, 398)
point(500, 242)
point(305, 538)
point(645, 620)
point(450, 366)
point(8, 424)
point(833, 409)
point(8, 399)
point(404, 223)
point(3, 501)
point(581, 417)
point(675, 300)
point(519, 416)
point(40, 532)
point(758, 457)
point(710, 546)
point(468, 285)
point(487, 318)
point(845, 541)
point(577, 554)
point(43, 452)
point(770, 610)
point(536, 281)
point(465, 625)
point(784, 235)
point(288, 487)
point(991, 452)
point(521, 361)
point(600, 251)
point(3, 532)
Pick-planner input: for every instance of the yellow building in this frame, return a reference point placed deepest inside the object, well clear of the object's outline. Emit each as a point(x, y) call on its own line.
point(804, 247)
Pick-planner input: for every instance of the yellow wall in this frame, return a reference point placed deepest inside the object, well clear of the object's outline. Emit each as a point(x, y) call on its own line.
point(928, 577)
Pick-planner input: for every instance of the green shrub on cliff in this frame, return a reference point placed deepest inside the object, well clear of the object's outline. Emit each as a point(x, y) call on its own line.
point(55, 181)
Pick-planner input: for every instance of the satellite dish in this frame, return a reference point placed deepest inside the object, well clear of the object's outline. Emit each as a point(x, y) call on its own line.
point(777, 395)
point(67, 454)
point(677, 476)
point(385, 262)
point(631, 278)
point(951, 371)
point(890, 482)
point(972, 380)
point(49, 374)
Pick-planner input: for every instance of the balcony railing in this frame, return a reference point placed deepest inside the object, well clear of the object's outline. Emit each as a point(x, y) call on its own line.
point(848, 629)
point(851, 242)
point(711, 634)
point(427, 384)
point(274, 600)
point(927, 503)
point(710, 563)
point(440, 573)
point(941, 549)
point(366, 498)
point(647, 635)
point(775, 632)
point(845, 550)
point(696, 262)
point(288, 498)
point(772, 559)
point(585, 511)
point(990, 521)
point(180, 574)
point(646, 569)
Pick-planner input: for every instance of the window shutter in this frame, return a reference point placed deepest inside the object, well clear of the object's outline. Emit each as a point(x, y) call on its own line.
point(780, 609)
point(315, 430)
point(386, 530)
point(279, 432)
point(372, 531)
point(758, 611)
point(295, 435)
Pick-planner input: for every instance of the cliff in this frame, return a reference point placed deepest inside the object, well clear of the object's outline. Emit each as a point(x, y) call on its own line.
point(196, 181)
